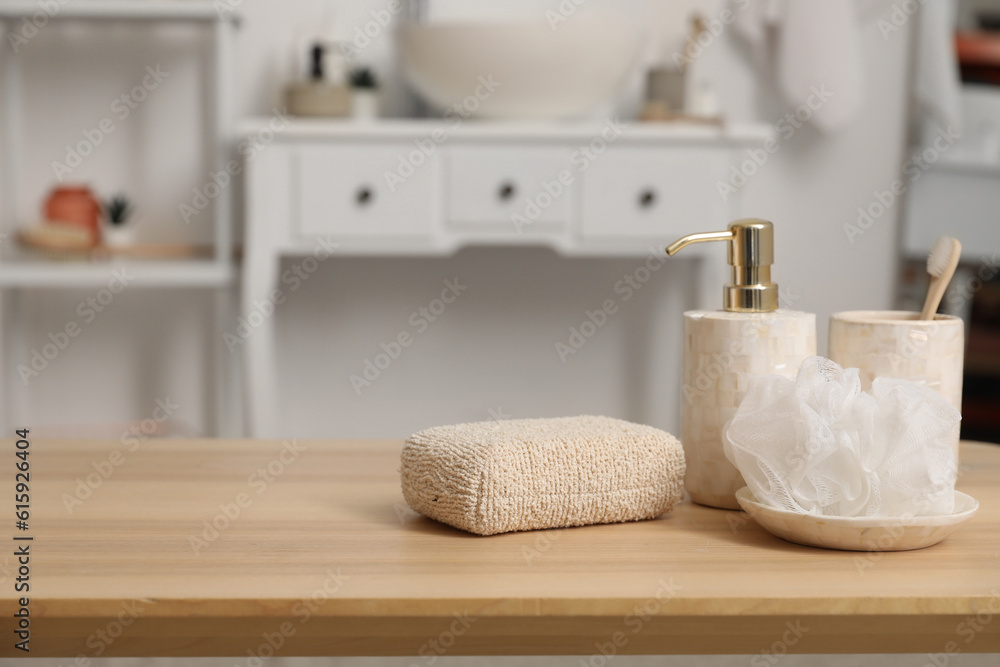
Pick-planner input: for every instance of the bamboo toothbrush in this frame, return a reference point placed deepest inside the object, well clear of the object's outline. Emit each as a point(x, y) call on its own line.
point(941, 264)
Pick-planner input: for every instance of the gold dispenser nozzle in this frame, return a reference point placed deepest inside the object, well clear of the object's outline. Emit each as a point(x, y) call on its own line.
point(751, 254)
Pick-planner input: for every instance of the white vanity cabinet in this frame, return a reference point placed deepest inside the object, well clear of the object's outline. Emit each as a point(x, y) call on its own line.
point(410, 188)
point(646, 192)
point(340, 190)
point(487, 184)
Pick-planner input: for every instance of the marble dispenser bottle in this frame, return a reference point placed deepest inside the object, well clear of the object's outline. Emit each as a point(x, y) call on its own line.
point(722, 349)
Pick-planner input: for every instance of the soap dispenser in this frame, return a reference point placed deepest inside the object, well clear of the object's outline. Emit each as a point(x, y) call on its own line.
point(722, 349)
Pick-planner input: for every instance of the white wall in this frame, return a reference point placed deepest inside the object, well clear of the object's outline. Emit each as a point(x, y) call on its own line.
point(494, 350)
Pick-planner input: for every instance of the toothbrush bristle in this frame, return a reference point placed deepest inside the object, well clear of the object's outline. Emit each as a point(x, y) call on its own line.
point(940, 256)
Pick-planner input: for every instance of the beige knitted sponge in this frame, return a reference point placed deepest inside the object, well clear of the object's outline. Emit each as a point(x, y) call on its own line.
point(499, 476)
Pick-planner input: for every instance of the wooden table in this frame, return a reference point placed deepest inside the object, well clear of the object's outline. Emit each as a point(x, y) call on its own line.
point(314, 553)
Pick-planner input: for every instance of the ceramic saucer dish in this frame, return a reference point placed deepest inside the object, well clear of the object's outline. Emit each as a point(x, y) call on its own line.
point(858, 533)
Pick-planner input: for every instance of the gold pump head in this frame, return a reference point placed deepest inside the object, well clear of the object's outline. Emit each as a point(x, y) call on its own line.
point(751, 254)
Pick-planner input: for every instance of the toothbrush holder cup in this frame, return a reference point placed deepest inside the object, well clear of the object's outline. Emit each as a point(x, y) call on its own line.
point(897, 344)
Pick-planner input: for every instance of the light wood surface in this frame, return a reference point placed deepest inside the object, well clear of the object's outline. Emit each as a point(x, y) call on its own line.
point(329, 536)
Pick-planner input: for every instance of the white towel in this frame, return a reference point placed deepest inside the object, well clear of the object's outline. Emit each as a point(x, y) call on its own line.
point(938, 89)
point(809, 45)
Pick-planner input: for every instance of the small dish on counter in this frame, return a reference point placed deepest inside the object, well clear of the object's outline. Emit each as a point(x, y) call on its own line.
point(858, 533)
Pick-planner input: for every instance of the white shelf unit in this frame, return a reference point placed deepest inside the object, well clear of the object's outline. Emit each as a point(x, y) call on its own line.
point(154, 10)
point(95, 274)
point(963, 193)
point(25, 271)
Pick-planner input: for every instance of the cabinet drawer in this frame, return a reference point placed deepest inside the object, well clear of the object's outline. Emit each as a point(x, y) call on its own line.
point(654, 193)
point(490, 184)
point(353, 190)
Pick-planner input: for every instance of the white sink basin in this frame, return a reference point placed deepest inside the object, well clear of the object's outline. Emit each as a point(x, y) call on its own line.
point(542, 72)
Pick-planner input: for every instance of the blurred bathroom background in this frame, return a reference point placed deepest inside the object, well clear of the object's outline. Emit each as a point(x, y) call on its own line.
point(902, 76)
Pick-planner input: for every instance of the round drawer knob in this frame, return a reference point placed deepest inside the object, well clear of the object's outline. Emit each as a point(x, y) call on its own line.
point(507, 191)
point(364, 196)
point(647, 198)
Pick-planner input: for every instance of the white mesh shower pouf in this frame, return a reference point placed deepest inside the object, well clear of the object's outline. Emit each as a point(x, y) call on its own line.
point(526, 474)
point(819, 445)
